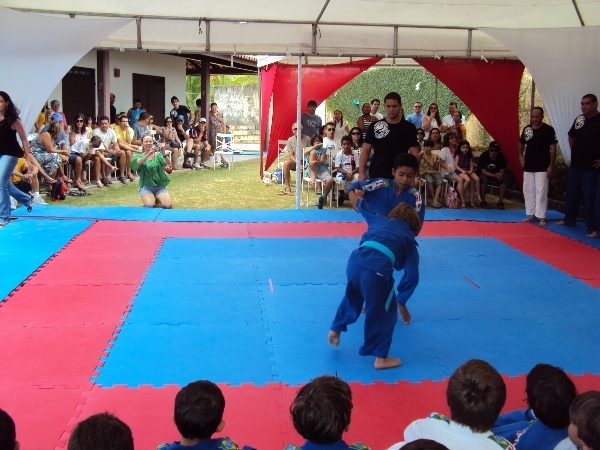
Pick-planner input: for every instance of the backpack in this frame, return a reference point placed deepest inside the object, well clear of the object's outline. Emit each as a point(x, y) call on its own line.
point(59, 190)
point(452, 198)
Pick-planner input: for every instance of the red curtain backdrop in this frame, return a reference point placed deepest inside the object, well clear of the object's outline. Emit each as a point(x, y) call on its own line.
point(267, 78)
point(318, 83)
point(491, 91)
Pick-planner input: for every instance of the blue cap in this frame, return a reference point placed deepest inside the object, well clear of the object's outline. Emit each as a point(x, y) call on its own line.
point(180, 117)
point(56, 116)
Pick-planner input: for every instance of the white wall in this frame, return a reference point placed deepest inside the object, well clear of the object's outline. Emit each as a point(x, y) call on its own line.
point(172, 68)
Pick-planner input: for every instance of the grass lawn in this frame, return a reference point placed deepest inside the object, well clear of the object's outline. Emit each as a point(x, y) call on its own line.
point(238, 188)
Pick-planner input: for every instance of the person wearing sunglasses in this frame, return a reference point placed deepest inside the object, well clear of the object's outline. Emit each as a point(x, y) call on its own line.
point(290, 147)
point(416, 118)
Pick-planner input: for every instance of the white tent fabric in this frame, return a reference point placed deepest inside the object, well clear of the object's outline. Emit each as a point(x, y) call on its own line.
point(448, 28)
point(564, 64)
point(37, 51)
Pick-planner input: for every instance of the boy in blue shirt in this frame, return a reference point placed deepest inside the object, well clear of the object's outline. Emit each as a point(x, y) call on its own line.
point(384, 195)
point(387, 244)
point(544, 425)
point(198, 415)
point(321, 414)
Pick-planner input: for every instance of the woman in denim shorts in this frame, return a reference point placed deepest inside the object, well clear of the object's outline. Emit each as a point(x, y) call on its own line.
point(153, 179)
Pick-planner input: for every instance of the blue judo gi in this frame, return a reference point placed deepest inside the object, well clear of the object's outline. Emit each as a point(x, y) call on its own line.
point(386, 245)
point(381, 193)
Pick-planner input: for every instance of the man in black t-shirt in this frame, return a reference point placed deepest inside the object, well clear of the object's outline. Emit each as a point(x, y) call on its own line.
point(180, 110)
point(388, 138)
point(584, 140)
point(538, 140)
point(491, 168)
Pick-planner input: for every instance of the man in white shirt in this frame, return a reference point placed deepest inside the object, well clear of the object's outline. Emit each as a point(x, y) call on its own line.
point(375, 107)
point(346, 164)
point(111, 148)
point(447, 121)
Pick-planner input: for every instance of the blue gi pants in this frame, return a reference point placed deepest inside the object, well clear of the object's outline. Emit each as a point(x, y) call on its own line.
point(365, 286)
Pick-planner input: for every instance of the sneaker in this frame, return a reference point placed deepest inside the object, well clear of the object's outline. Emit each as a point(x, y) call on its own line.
point(341, 198)
point(321, 201)
point(500, 205)
point(224, 165)
point(13, 204)
point(484, 204)
point(39, 201)
point(206, 165)
point(196, 166)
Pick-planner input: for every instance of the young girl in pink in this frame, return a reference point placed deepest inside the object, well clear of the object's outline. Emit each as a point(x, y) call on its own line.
point(463, 163)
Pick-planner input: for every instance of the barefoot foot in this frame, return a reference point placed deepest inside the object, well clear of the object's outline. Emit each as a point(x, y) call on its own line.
point(404, 314)
point(543, 222)
point(333, 338)
point(387, 363)
point(593, 234)
point(561, 222)
point(529, 218)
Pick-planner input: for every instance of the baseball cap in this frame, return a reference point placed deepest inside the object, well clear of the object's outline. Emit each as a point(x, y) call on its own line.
point(494, 147)
point(180, 117)
point(56, 116)
point(202, 119)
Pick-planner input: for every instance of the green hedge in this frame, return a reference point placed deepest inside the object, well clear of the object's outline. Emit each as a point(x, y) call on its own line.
point(376, 83)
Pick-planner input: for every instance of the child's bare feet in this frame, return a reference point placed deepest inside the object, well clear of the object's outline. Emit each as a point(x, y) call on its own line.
point(529, 218)
point(387, 363)
point(406, 317)
point(593, 234)
point(543, 222)
point(333, 338)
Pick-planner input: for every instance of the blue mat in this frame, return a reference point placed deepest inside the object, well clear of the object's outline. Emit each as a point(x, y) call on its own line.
point(25, 244)
point(210, 301)
point(92, 212)
point(577, 232)
point(484, 215)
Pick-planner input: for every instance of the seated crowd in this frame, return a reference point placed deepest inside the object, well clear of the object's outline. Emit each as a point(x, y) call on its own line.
point(109, 148)
point(556, 418)
point(331, 155)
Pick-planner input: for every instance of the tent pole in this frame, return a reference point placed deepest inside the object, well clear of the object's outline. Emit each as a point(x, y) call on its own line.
point(299, 150)
point(532, 94)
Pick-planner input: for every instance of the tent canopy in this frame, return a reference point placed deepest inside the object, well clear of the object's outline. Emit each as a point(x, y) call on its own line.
point(403, 28)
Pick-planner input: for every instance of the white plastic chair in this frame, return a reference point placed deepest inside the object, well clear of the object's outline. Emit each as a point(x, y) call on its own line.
point(220, 150)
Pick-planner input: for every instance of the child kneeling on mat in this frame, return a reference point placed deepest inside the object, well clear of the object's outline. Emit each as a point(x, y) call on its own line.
point(387, 245)
point(198, 415)
point(321, 414)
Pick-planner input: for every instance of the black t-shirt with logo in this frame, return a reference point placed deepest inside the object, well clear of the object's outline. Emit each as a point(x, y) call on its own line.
point(181, 111)
point(492, 166)
point(388, 141)
point(537, 147)
point(586, 145)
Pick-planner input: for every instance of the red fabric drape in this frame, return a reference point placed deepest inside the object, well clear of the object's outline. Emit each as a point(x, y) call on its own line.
point(491, 91)
point(267, 78)
point(318, 83)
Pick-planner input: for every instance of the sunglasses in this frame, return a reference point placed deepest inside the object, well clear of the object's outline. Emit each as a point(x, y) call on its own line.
point(169, 121)
point(330, 129)
point(79, 120)
point(418, 106)
point(151, 118)
point(420, 134)
point(357, 133)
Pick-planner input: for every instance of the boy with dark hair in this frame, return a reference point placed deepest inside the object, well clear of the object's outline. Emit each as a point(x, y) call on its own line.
point(424, 444)
point(8, 432)
point(584, 415)
point(384, 195)
point(429, 170)
point(198, 415)
point(475, 394)
point(544, 425)
point(321, 414)
point(101, 432)
point(386, 245)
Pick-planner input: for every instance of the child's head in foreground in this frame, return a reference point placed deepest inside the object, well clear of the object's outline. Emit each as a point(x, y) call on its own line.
point(428, 145)
point(476, 394)
point(199, 410)
point(101, 432)
point(550, 393)
point(8, 432)
point(405, 170)
point(584, 414)
point(424, 444)
point(403, 211)
point(321, 410)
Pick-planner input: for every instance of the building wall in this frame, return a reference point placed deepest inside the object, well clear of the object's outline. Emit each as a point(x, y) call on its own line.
point(240, 104)
point(172, 68)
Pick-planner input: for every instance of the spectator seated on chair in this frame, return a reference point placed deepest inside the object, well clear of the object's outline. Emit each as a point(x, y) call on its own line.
point(50, 147)
point(101, 432)
point(544, 424)
point(198, 415)
point(198, 145)
point(111, 149)
point(464, 168)
point(8, 432)
point(319, 167)
point(290, 147)
point(429, 168)
point(321, 414)
point(183, 136)
point(476, 394)
point(171, 140)
point(492, 170)
point(584, 414)
point(25, 178)
point(346, 164)
point(125, 140)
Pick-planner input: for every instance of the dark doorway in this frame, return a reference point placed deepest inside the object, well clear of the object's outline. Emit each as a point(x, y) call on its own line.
point(151, 91)
point(79, 92)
